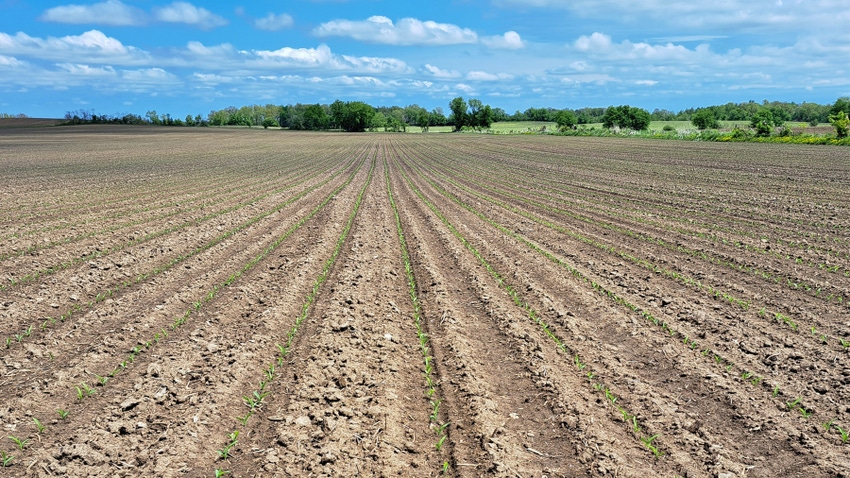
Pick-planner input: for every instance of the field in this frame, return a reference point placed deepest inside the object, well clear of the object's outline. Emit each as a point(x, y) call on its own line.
point(195, 302)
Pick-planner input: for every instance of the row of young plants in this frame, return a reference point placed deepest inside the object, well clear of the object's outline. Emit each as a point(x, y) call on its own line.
point(438, 422)
point(212, 196)
point(582, 192)
point(307, 176)
point(585, 195)
point(255, 400)
point(713, 356)
point(819, 338)
point(596, 382)
point(84, 391)
point(168, 186)
point(168, 265)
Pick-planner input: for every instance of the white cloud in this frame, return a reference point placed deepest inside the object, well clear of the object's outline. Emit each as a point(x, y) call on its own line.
point(322, 57)
point(272, 22)
point(484, 76)
point(440, 73)
point(408, 31)
point(184, 12)
point(86, 70)
point(110, 12)
point(509, 41)
point(90, 47)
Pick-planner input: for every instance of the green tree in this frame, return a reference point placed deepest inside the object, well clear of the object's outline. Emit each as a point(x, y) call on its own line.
point(704, 119)
point(565, 120)
point(479, 116)
point(315, 118)
point(357, 116)
point(841, 122)
point(762, 121)
point(459, 115)
point(626, 117)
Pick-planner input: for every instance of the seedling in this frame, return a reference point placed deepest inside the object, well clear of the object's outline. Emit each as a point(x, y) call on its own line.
point(648, 442)
point(244, 420)
point(439, 444)
point(828, 424)
point(38, 425)
point(844, 435)
point(62, 413)
point(776, 390)
point(219, 472)
point(6, 459)
point(806, 413)
point(793, 404)
point(20, 443)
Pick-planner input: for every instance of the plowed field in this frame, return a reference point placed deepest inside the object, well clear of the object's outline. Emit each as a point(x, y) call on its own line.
point(190, 302)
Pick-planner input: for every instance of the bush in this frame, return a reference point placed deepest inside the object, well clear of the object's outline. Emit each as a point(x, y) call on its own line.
point(668, 127)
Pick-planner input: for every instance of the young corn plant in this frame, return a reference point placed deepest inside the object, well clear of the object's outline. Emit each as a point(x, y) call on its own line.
point(6, 459)
point(21, 443)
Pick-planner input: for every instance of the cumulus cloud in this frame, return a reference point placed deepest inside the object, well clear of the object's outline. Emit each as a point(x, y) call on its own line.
point(322, 57)
point(601, 45)
point(509, 41)
point(273, 22)
point(484, 76)
point(90, 47)
point(110, 12)
point(407, 31)
point(184, 12)
point(440, 73)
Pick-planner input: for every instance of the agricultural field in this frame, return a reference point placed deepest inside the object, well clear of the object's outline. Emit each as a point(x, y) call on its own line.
point(204, 302)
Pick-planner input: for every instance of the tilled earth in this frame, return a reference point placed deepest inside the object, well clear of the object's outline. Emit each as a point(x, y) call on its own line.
point(194, 302)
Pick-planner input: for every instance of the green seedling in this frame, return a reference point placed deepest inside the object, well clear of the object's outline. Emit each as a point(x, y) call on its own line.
point(439, 444)
point(828, 424)
point(219, 472)
point(844, 435)
point(844, 343)
point(648, 442)
point(6, 459)
point(793, 404)
point(62, 413)
point(445, 467)
point(244, 420)
point(776, 390)
point(20, 443)
point(38, 425)
point(806, 413)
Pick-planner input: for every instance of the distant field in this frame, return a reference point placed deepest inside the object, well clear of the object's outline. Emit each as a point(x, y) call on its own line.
point(27, 122)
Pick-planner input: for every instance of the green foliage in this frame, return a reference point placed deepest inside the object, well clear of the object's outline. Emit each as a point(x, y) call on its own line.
point(763, 122)
point(459, 116)
point(626, 117)
point(704, 119)
point(356, 116)
point(565, 120)
point(841, 122)
point(270, 123)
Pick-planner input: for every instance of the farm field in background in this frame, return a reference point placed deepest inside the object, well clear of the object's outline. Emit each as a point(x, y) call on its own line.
point(190, 302)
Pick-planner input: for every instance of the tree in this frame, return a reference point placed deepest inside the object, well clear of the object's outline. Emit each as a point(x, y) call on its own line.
point(566, 120)
point(459, 107)
point(626, 117)
point(379, 120)
point(357, 116)
point(841, 122)
point(315, 118)
point(704, 119)
point(762, 121)
point(479, 116)
point(270, 122)
point(337, 113)
point(841, 104)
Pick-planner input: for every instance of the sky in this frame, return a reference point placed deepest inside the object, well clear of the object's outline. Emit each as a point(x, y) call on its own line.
point(191, 57)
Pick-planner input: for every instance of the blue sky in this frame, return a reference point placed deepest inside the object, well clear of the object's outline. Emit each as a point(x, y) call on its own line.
point(122, 56)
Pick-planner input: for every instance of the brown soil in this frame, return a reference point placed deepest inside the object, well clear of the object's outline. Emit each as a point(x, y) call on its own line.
point(195, 301)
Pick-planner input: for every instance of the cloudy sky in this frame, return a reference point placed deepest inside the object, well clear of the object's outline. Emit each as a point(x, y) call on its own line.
point(180, 57)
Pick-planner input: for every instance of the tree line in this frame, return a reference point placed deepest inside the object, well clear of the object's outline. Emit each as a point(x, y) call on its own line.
point(474, 114)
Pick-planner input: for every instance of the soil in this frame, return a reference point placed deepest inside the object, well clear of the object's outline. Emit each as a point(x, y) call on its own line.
point(186, 301)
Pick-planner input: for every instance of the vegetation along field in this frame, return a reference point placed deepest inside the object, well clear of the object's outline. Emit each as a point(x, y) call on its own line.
point(261, 303)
